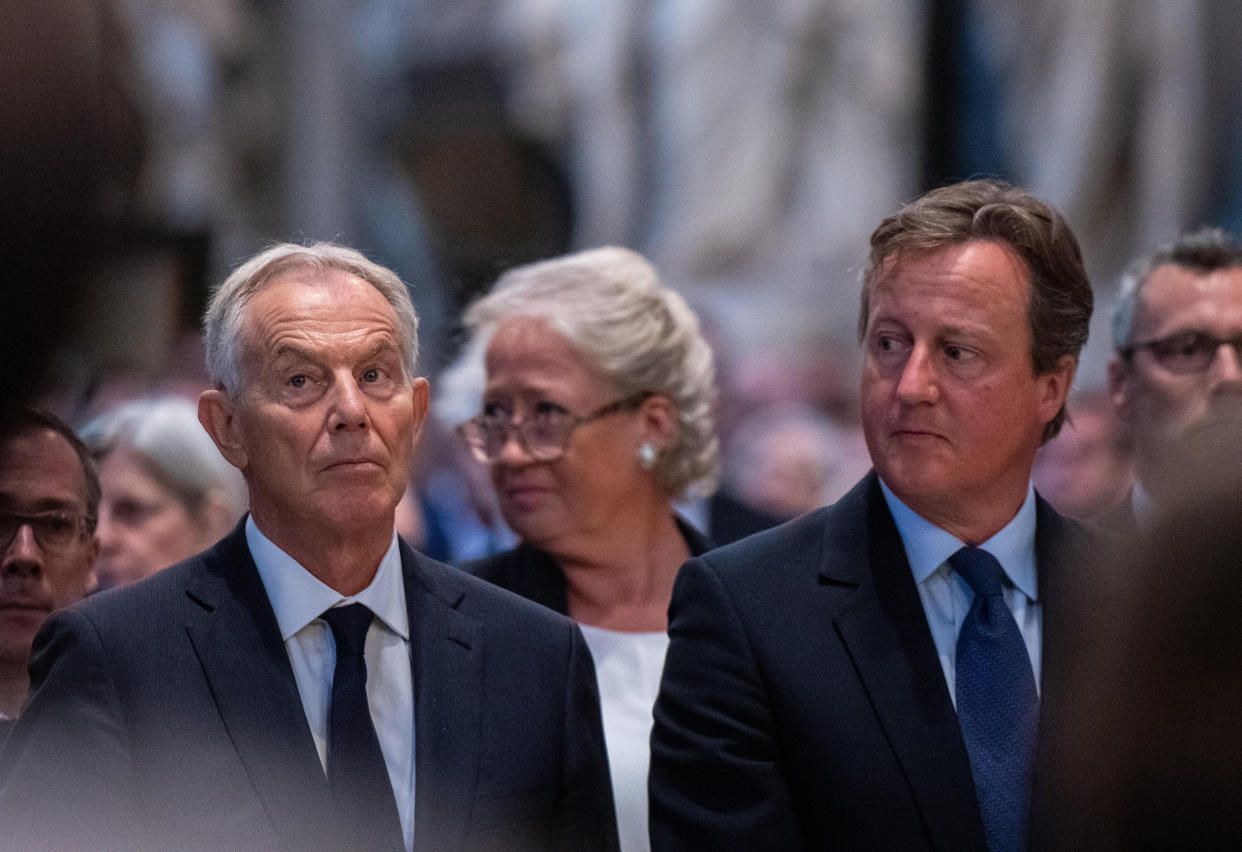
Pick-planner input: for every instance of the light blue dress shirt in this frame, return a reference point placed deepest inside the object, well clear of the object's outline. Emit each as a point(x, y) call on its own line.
point(298, 598)
point(947, 597)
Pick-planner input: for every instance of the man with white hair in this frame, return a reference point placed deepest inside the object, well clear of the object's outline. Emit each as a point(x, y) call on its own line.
point(309, 682)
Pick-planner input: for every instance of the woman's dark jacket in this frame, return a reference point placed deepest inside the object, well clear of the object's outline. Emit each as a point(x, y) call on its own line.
point(534, 574)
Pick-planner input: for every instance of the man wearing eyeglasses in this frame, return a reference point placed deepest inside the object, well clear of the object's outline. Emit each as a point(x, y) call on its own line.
point(49, 499)
point(1177, 372)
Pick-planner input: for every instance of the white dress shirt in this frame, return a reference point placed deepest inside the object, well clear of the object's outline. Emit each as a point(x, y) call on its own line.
point(628, 667)
point(946, 596)
point(298, 599)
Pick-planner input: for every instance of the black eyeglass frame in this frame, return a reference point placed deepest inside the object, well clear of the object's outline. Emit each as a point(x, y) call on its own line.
point(38, 523)
point(1163, 349)
point(472, 431)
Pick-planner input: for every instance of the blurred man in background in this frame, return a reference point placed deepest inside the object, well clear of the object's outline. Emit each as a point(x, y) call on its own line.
point(1085, 470)
point(1177, 369)
point(49, 502)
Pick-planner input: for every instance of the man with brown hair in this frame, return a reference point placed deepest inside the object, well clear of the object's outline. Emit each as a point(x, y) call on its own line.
point(49, 502)
point(870, 676)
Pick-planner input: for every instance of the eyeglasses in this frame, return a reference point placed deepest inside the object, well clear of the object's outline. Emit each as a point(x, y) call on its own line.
point(1186, 351)
point(54, 531)
point(544, 433)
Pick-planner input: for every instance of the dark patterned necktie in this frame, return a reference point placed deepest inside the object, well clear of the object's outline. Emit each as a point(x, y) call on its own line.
point(997, 705)
point(357, 774)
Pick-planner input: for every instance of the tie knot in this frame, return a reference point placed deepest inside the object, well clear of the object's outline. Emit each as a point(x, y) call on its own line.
point(979, 569)
point(349, 628)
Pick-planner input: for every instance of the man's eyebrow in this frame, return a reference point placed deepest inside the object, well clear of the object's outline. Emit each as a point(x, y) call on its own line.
point(383, 345)
point(292, 350)
point(965, 330)
point(11, 503)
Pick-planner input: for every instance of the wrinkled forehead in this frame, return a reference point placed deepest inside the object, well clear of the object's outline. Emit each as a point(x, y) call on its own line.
point(306, 296)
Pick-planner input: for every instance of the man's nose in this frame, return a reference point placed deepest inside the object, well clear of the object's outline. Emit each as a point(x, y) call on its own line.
point(1226, 368)
point(349, 409)
point(917, 383)
point(23, 555)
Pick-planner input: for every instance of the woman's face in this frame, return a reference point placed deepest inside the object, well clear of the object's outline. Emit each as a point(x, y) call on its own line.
point(143, 526)
point(563, 505)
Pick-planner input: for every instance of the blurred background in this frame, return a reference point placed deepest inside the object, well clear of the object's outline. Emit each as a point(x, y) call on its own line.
point(747, 147)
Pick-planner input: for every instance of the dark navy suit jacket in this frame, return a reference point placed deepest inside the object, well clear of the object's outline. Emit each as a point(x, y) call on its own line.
point(166, 716)
point(803, 705)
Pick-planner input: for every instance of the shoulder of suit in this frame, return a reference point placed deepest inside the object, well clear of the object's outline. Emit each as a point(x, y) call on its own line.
point(793, 543)
point(1084, 537)
point(804, 545)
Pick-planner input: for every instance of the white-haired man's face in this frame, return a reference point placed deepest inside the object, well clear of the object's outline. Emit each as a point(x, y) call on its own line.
point(325, 423)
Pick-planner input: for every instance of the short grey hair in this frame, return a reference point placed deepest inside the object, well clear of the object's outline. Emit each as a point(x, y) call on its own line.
point(611, 306)
point(223, 320)
point(1205, 250)
point(174, 448)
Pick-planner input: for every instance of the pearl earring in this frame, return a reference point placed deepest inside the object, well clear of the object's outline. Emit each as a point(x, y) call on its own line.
point(646, 456)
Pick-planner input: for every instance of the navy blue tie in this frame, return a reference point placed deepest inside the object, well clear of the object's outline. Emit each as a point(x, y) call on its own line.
point(357, 774)
point(997, 705)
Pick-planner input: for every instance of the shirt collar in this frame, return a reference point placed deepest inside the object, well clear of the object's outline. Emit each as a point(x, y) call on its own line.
point(928, 546)
point(298, 597)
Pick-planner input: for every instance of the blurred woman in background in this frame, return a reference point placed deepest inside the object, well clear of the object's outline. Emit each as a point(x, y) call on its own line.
point(596, 417)
point(167, 491)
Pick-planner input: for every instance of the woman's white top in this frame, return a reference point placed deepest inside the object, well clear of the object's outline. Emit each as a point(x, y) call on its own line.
point(628, 667)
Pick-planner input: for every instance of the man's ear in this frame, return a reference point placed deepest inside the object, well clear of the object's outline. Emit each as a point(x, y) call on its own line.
point(659, 421)
point(1119, 388)
point(1056, 385)
point(217, 413)
point(420, 401)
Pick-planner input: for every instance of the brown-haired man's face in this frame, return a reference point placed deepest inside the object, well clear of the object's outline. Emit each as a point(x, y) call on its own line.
point(40, 477)
point(953, 410)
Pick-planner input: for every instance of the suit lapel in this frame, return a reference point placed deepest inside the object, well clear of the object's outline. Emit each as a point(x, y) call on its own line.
point(1060, 546)
point(238, 644)
point(885, 631)
point(446, 655)
point(1071, 592)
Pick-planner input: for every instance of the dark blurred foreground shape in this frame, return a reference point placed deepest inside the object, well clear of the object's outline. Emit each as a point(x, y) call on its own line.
point(1146, 753)
point(70, 143)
